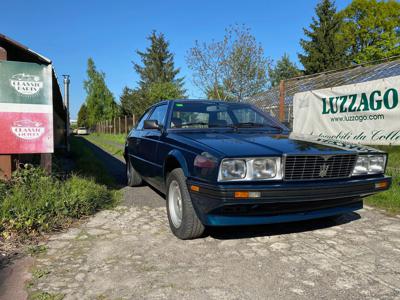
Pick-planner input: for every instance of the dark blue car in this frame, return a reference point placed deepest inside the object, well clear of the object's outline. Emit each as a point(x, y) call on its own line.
point(225, 163)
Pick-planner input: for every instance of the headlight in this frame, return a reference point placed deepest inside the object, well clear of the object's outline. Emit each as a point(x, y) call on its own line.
point(264, 168)
point(260, 168)
point(370, 164)
point(232, 169)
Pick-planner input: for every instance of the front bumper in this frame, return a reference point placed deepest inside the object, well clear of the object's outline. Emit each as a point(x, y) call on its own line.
point(282, 201)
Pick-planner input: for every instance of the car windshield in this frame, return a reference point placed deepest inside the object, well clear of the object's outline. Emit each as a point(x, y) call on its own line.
point(219, 115)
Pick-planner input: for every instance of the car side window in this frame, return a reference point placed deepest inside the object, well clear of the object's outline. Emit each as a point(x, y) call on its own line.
point(244, 115)
point(159, 114)
point(224, 117)
point(139, 126)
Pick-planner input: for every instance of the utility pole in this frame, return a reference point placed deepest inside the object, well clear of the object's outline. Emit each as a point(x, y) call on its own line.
point(66, 103)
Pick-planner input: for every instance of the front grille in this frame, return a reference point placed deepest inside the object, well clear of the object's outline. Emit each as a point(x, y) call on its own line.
point(307, 167)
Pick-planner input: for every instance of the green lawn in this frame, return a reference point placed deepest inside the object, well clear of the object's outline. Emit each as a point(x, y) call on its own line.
point(116, 138)
point(114, 144)
point(389, 200)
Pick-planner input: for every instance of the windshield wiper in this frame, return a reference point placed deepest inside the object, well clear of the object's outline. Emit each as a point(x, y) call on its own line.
point(248, 124)
point(255, 125)
point(195, 123)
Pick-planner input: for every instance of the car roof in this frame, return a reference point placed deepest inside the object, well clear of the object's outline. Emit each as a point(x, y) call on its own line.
point(207, 101)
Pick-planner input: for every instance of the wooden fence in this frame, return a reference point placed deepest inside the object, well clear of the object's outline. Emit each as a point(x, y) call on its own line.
point(119, 125)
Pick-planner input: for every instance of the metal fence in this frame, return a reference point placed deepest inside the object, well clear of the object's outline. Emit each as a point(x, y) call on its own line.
point(278, 101)
point(119, 125)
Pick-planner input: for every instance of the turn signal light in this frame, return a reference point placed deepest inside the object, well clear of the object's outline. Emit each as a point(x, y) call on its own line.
point(247, 194)
point(195, 188)
point(381, 185)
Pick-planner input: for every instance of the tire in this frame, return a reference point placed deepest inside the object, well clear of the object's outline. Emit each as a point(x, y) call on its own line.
point(132, 176)
point(190, 226)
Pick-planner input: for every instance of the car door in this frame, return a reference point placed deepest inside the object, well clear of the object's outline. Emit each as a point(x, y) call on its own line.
point(135, 151)
point(149, 145)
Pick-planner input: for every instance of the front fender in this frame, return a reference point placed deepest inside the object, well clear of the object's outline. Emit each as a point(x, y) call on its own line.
point(180, 158)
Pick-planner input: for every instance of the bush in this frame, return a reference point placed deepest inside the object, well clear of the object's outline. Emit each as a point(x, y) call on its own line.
point(33, 202)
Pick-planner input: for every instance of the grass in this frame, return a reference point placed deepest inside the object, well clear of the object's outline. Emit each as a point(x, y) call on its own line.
point(87, 164)
point(117, 138)
point(113, 144)
point(32, 202)
point(45, 296)
point(35, 250)
point(389, 200)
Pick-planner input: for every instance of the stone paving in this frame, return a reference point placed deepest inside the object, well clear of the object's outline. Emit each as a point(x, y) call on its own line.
point(130, 253)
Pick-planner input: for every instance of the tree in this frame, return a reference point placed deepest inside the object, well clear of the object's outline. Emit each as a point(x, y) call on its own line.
point(158, 64)
point(371, 29)
point(82, 116)
point(133, 102)
point(217, 92)
point(127, 102)
point(162, 91)
point(284, 69)
point(234, 68)
point(323, 51)
point(100, 104)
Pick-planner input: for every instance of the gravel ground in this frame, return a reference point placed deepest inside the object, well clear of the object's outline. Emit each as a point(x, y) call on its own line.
point(130, 253)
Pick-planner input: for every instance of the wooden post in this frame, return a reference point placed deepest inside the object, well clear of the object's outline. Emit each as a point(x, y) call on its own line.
point(119, 125)
point(133, 121)
point(282, 101)
point(126, 124)
point(5, 167)
point(45, 162)
point(5, 160)
point(114, 127)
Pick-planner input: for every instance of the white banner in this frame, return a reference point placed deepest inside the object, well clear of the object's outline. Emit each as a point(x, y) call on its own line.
point(365, 113)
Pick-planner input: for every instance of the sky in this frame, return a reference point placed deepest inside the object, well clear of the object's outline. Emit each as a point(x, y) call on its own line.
point(69, 32)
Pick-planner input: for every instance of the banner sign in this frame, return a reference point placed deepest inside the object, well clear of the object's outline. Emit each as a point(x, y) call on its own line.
point(363, 113)
point(26, 108)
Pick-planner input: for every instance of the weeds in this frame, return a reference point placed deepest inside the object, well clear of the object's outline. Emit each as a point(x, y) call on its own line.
point(33, 202)
point(35, 250)
point(45, 296)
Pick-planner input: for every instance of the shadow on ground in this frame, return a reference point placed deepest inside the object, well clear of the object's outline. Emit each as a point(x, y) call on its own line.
point(241, 232)
point(114, 166)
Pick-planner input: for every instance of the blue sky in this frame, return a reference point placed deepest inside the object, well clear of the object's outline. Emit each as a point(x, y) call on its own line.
point(68, 32)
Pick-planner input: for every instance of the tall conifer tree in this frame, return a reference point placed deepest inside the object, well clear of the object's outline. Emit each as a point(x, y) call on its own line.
point(322, 50)
point(157, 64)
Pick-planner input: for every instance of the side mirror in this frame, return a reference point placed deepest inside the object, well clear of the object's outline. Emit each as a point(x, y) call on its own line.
point(151, 124)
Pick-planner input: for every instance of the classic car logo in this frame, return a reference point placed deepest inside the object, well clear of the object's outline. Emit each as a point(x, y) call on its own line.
point(323, 170)
point(26, 84)
point(326, 157)
point(27, 129)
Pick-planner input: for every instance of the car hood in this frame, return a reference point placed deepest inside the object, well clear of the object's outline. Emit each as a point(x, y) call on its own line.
point(242, 144)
